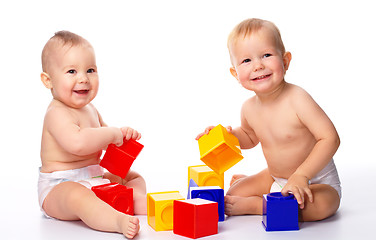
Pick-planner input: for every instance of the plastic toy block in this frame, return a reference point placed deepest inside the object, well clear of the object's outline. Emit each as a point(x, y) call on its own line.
point(215, 194)
point(118, 160)
point(160, 209)
point(204, 176)
point(219, 149)
point(280, 213)
point(195, 218)
point(191, 185)
point(117, 196)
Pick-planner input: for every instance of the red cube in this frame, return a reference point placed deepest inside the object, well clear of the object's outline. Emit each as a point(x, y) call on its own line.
point(195, 218)
point(118, 160)
point(117, 196)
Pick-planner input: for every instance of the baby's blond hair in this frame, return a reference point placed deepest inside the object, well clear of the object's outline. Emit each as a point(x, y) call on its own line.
point(252, 25)
point(60, 38)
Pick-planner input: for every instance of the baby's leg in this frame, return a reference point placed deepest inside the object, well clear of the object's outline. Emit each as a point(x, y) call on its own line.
point(236, 177)
point(137, 182)
point(73, 201)
point(245, 195)
point(325, 203)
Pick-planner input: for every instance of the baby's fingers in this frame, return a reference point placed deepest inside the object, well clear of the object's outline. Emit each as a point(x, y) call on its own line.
point(207, 130)
point(299, 195)
point(309, 194)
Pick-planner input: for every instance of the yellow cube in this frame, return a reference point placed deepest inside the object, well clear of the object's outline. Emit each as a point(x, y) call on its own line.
point(204, 176)
point(219, 149)
point(160, 209)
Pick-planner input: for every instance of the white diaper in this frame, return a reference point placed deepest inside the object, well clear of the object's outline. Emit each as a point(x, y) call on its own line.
point(328, 175)
point(88, 176)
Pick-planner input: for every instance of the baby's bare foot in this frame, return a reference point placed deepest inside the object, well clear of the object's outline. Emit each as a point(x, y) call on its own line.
point(235, 205)
point(129, 225)
point(237, 177)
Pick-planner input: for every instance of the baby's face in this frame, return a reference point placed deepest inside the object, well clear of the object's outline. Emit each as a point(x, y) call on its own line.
point(257, 62)
point(73, 74)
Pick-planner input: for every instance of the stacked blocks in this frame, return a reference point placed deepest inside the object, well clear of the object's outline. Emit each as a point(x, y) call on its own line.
point(118, 160)
point(204, 176)
point(195, 218)
point(219, 149)
point(117, 196)
point(280, 213)
point(160, 209)
point(215, 194)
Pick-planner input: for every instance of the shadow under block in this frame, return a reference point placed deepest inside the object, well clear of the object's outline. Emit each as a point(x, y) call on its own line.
point(205, 176)
point(118, 160)
point(280, 213)
point(195, 218)
point(117, 196)
point(219, 149)
point(215, 194)
point(160, 209)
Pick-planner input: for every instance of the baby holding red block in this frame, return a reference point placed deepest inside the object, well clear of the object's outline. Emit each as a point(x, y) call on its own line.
point(73, 138)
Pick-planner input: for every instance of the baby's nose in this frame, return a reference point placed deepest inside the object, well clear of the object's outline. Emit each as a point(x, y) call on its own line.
point(83, 78)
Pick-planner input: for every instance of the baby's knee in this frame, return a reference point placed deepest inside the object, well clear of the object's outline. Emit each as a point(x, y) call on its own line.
point(325, 204)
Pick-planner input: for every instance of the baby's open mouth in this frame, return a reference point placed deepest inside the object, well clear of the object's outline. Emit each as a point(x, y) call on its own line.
point(81, 91)
point(261, 77)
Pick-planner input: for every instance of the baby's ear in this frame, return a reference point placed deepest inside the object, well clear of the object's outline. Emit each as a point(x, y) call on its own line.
point(234, 73)
point(286, 60)
point(46, 80)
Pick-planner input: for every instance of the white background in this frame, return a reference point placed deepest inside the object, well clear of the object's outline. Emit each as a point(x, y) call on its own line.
point(164, 70)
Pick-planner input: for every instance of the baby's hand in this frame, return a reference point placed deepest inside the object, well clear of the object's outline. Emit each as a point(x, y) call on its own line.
point(298, 185)
point(118, 136)
point(207, 130)
point(129, 133)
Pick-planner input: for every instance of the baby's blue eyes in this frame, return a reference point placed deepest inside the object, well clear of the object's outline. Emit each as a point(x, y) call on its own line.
point(72, 71)
point(266, 55)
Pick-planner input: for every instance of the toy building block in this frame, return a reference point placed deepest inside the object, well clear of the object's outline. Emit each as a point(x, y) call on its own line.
point(280, 213)
point(204, 176)
point(160, 209)
point(219, 149)
point(118, 160)
point(117, 196)
point(191, 185)
point(195, 218)
point(215, 194)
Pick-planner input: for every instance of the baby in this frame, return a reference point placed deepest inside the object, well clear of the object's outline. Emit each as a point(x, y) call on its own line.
point(297, 137)
point(73, 138)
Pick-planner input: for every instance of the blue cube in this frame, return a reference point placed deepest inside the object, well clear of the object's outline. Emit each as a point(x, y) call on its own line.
point(215, 194)
point(280, 213)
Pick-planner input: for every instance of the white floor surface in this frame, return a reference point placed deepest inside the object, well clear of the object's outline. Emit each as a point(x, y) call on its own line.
point(355, 220)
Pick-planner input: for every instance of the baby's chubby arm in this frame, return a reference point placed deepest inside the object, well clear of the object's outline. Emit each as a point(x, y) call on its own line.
point(245, 134)
point(65, 128)
point(327, 142)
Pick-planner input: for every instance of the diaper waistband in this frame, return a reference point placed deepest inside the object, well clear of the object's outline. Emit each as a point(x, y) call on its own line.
point(91, 171)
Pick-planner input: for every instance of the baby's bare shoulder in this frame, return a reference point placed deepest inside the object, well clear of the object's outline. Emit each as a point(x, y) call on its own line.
point(57, 112)
point(297, 92)
point(249, 102)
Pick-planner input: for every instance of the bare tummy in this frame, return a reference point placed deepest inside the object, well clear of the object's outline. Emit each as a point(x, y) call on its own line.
point(286, 141)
